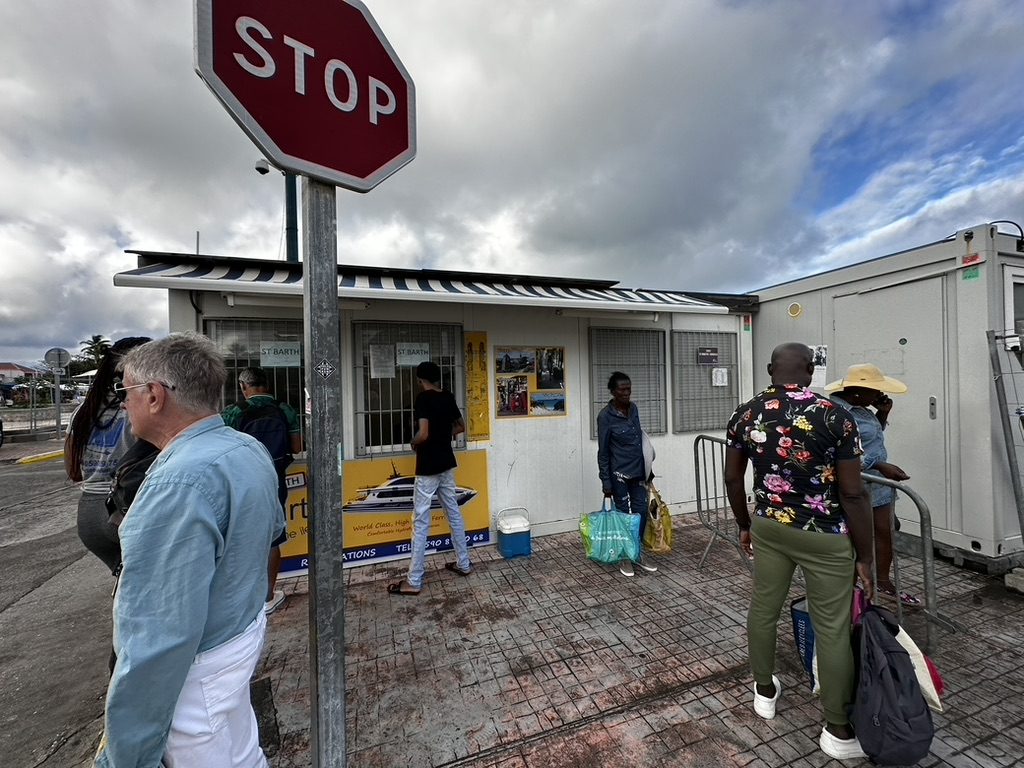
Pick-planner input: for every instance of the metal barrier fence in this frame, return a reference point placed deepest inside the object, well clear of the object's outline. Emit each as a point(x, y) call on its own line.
point(715, 515)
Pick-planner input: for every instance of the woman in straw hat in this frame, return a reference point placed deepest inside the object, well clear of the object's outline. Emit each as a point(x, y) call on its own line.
point(865, 385)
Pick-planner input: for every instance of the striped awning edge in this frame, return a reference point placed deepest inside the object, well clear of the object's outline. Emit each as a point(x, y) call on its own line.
point(267, 279)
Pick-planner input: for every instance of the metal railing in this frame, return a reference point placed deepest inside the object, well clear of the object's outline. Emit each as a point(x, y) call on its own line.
point(712, 501)
point(715, 514)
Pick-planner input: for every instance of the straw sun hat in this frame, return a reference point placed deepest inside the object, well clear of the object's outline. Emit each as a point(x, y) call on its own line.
point(870, 377)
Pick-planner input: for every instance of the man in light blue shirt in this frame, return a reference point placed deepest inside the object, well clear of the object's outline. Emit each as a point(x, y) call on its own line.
point(188, 610)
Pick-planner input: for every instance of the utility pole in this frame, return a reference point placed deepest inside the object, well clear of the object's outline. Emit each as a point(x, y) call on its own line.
point(291, 218)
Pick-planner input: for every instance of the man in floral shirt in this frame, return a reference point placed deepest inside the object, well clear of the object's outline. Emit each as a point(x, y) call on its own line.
point(811, 510)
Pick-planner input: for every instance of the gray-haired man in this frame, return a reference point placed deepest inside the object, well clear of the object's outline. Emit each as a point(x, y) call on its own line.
point(188, 610)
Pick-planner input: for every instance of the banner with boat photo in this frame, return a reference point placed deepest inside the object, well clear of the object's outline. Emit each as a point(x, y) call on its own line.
point(377, 510)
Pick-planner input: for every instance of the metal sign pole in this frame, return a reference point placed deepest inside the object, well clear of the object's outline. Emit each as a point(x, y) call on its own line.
point(56, 396)
point(322, 322)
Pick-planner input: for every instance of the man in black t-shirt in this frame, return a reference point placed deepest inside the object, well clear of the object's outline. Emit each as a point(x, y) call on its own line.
point(438, 421)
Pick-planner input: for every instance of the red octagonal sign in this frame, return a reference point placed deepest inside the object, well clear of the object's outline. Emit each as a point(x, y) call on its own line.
point(315, 84)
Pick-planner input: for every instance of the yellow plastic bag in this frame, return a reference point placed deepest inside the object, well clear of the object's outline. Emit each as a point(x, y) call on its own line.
point(658, 533)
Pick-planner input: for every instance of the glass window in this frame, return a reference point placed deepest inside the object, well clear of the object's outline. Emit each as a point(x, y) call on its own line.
point(386, 356)
point(640, 355)
point(1018, 308)
point(240, 340)
point(704, 386)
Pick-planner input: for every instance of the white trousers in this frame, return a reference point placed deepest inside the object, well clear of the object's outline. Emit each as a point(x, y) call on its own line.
point(213, 724)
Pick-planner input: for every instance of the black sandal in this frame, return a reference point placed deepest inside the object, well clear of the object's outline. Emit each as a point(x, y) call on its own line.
point(402, 588)
point(454, 568)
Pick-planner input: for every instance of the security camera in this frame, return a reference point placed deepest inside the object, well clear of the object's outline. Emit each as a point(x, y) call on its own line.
point(262, 167)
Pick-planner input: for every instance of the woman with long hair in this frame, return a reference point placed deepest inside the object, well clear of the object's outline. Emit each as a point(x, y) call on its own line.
point(98, 436)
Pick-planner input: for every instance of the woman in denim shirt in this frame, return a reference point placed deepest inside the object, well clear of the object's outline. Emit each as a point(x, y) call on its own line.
point(865, 385)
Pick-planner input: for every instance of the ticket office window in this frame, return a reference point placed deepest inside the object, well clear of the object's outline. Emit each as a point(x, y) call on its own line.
point(705, 387)
point(640, 354)
point(240, 341)
point(386, 356)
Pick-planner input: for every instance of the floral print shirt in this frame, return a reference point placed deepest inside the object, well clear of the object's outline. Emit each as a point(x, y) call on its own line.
point(794, 437)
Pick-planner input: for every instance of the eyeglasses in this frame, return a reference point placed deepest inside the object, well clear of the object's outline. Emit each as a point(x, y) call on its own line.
point(121, 391)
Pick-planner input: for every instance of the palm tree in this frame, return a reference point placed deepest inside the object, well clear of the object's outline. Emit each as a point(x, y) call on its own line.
point(95, 348)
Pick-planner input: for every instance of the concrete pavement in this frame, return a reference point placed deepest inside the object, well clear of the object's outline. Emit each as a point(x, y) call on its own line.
point(556, 661)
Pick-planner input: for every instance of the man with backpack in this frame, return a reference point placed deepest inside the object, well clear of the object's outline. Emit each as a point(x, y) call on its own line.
point(275, 424)
point(811, 510)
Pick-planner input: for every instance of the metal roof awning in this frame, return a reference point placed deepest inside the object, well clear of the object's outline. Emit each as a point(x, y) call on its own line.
point(265, 279)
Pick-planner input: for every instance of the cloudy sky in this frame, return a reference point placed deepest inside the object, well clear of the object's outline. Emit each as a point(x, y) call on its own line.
point(687, 144)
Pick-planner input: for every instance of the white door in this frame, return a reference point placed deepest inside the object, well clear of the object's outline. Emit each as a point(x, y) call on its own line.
point(902, 330)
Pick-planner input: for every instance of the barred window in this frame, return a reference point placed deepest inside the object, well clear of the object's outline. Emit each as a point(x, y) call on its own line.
point(704, 380)
point(640, 355)
point(386, 356)
point(239, 341)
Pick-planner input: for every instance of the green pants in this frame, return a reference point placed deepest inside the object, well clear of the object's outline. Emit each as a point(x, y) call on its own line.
point(827, 560)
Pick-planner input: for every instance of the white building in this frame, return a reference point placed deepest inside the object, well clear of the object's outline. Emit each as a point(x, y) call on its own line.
point(688, 358)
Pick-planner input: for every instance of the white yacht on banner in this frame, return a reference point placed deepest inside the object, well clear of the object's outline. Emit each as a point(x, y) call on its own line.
point(395, 495)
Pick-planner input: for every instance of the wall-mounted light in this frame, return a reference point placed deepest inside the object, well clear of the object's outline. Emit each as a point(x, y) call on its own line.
point(794, 309)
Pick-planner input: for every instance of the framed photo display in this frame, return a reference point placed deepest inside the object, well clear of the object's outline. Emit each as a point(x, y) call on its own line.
point(529, 381)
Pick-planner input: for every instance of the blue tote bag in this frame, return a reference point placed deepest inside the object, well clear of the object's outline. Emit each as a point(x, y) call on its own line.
point(610, 535)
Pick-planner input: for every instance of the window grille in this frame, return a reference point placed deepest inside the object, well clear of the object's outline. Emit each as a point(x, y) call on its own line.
point(384, 398)
point(239, 342)
point(640, 355)
point(697, 404)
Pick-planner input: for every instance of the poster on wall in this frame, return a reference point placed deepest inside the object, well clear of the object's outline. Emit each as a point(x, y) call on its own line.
point(478, 407)
point(295, 551)
point(820, 377)
point(377, 509)
point(382, 361)
point(529, 381)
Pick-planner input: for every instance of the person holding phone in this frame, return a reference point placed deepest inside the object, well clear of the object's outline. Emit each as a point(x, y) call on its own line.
point(864, 388)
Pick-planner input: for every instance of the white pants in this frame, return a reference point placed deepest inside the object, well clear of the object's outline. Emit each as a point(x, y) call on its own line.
point(213, 724)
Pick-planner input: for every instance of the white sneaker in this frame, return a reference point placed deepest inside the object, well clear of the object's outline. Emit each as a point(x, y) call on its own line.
point(626, 568)
point(840, 749)
point(649, 567)
point(273, 603)
point(765, 707)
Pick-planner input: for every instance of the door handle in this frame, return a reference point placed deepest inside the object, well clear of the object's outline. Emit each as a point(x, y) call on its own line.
point(932, 409)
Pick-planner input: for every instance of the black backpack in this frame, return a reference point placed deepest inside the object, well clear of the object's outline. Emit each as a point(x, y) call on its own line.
point(131, 471)
point(890, 716)
point(268, 424)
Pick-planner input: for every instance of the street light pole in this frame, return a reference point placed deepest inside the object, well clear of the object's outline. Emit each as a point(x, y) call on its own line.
point(291, 216)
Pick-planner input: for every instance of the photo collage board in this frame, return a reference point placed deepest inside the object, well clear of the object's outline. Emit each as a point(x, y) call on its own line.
point(529, 381)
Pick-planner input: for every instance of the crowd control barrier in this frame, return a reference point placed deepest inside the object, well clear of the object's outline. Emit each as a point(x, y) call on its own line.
point(715, 515)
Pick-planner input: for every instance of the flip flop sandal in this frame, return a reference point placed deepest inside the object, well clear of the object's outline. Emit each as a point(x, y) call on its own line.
point(454, 568)
point(907, 599)
point(402, 588)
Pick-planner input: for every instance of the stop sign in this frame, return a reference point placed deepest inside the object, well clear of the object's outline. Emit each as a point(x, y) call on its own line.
point(314, 84)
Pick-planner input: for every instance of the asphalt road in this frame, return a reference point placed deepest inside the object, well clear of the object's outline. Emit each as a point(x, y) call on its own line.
point(54, 623)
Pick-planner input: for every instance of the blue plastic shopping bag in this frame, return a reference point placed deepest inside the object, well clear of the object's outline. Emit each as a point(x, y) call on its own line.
point(610, 535)
point(803, 635)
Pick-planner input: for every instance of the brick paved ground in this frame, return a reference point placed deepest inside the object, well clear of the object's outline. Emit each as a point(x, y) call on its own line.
point(554, 661)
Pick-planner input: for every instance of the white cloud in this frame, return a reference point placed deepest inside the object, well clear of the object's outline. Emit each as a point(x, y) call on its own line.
point(681, 145)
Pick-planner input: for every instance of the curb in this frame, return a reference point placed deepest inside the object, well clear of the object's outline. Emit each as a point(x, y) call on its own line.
point(41, 457)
